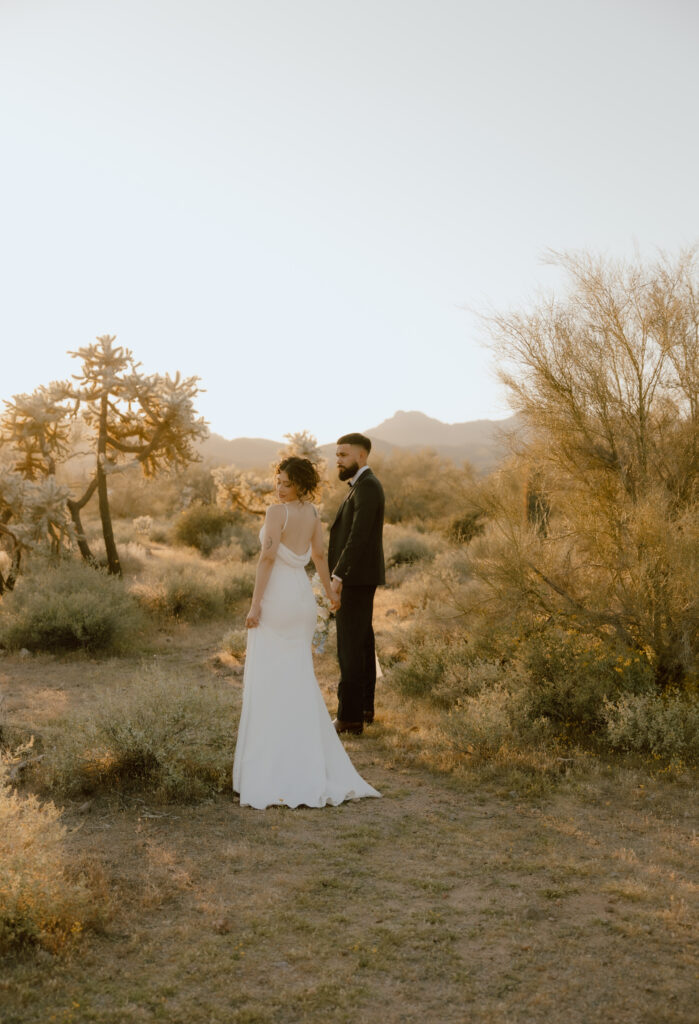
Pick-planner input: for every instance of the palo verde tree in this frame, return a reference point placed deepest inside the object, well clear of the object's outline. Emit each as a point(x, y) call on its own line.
point(128, 417)
point(607, 380)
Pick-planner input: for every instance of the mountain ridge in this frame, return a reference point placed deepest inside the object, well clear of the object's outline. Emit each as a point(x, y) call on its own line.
point(480, 442)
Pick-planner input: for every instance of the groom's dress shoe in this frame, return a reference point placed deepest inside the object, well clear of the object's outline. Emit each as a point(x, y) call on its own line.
point(353, 727)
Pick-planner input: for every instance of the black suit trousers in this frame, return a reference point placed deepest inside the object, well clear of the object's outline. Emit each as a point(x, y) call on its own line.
point(356, 653)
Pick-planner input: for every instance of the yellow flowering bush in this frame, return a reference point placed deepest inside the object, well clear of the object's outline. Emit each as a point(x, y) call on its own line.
point(572, 673)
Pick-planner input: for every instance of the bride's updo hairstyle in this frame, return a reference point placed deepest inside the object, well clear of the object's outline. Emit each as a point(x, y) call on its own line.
point(302, 474)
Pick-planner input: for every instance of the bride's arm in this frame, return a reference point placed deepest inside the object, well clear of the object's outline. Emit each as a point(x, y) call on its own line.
point(320, 561)
point(272, 536)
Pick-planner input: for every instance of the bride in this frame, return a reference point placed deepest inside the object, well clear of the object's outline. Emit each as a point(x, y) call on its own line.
point(287, 752)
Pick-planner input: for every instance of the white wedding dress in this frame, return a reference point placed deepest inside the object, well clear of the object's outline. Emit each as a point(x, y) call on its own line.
point(287, 752)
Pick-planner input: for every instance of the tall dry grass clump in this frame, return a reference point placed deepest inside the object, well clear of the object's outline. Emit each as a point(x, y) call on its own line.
point(42, 903)
point(157, 733)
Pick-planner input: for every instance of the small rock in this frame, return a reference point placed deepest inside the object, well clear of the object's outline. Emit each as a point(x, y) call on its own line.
point(85, 808)
point(222, 926)
point(24, 653)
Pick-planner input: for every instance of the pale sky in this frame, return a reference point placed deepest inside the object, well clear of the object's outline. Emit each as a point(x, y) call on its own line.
point(301, 200)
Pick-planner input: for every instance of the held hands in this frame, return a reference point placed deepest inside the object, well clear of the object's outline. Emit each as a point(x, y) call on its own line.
point(335, 594)
point(252, 619)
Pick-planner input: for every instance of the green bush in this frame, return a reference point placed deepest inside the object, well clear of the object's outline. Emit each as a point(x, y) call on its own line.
point(204, 527)
point(665, 724)
point(571, 675)
point(69, 607)
point(159, 733)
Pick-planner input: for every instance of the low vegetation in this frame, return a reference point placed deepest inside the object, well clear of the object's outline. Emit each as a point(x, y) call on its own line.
point(44, 900)
point(155, 732)
point(69, 606)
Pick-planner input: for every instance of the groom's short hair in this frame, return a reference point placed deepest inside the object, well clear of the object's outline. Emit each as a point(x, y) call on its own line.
point(360, 440)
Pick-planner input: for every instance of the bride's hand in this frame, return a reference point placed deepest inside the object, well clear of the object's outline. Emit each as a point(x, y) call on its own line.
point(252, 619)
point(335, 603)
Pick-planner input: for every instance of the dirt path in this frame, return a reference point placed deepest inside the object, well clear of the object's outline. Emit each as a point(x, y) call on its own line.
point(433, 904)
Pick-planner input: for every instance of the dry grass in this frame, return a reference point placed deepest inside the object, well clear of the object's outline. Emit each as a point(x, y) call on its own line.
point(44, 902)
point(181, 585)
point(157, 731)
point(461, 895)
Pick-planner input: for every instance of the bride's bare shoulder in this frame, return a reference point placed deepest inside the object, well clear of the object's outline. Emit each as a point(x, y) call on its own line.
point(274, 511)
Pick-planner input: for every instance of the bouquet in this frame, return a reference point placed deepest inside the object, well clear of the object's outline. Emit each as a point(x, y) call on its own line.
point(325, 615)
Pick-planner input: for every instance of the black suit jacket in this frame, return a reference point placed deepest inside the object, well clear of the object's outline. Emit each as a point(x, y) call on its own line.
point(355, 551)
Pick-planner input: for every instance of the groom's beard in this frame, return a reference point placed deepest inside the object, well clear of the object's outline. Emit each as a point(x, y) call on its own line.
point(348, 472)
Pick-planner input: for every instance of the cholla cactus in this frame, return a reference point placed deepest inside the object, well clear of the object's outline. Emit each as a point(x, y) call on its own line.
point(33, 514)
point(128, 417)
point(44, 515)
point(305, 445)
point(244, 490)
point(143, 525)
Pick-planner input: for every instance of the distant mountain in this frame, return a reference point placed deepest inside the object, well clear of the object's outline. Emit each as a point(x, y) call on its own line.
point(244, 452)
point(480, 442)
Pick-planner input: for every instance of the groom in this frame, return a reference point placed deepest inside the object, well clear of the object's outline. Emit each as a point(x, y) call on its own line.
point(355, 556)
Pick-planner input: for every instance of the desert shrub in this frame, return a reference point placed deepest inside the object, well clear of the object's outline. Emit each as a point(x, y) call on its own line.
point(69, 607)
point(430, 663)
point(571, 675)
point(185, 591)
point(462, 528)
point(666, 724)
point(41, 904)
point(133, 556)
point(248, 537)
point(159, 733)
point(486, 720)
point(238, 584)
point(235, 643)
point(405, 546)
point(204, 527)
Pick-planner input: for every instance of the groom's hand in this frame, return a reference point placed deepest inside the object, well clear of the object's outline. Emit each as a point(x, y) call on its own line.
point(336, 588)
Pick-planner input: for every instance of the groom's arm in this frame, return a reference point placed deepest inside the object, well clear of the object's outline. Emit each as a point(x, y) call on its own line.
point(367, 504)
